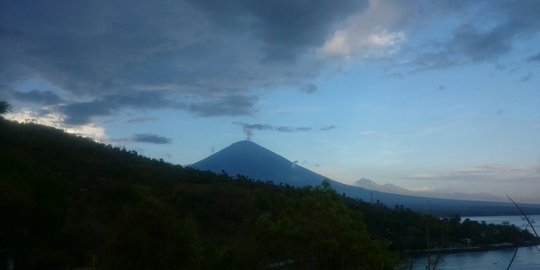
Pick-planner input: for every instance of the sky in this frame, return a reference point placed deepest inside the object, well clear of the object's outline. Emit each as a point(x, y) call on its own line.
point(424, 94)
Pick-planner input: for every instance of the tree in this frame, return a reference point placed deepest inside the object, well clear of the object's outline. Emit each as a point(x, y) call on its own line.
point(314, 229)
point(4, 107)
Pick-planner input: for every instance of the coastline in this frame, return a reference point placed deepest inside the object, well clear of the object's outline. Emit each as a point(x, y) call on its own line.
point(423, 252)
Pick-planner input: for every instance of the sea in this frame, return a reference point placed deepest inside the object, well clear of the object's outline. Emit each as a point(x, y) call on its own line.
point(527, 258)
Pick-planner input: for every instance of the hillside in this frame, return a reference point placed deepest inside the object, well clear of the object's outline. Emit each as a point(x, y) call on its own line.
point(69, 202)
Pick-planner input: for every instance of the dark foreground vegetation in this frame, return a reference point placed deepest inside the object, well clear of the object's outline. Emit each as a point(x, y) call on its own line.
point(68, 202)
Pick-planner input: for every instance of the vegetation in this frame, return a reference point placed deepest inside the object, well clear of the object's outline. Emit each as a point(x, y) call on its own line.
point(4, 107)
point(410, 230)
point(67, 201)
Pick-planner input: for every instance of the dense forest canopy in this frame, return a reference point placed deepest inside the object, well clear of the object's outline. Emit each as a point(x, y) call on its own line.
point(67, 201)
point(4, 107)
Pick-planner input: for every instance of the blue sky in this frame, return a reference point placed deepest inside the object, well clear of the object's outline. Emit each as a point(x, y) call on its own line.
point(428, 95)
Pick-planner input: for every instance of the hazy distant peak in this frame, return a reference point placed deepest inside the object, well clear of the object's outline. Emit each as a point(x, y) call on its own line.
point(364, 181)
point(394, 189)
point(390, 188)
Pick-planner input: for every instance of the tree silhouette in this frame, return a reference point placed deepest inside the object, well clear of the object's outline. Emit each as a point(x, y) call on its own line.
point(4, 107)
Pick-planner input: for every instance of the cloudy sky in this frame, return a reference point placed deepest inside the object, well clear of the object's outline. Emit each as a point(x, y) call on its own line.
point(426, 94)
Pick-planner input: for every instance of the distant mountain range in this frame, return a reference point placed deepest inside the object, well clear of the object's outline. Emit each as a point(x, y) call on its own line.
point(390, 188)
point(254, 161)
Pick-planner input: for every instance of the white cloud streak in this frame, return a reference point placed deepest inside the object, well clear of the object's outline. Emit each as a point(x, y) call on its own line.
point(371, 33)
point(57, 120)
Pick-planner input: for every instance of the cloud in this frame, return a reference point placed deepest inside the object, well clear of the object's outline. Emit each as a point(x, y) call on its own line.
point(234, 105)
point(374, 31)
point(534, 58)
point(526, 77)
point(474, 40)
point(56, 120)
point(141, 120)
point(330, 127)
point(421, 189)
point(440, 88)
point(284, 28)
point(212, 59)
point(41, 97)
point(520, 181)
point(309, 88)
point(249, 128)
point(292, 129)
point(493, 168)
point(151, 138)
point(469, 44)
point(82, 112)
point(215, 53)
point(274, 128)
point(488, 173)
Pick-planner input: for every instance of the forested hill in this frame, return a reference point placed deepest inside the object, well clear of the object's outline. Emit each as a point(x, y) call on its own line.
point(69, 202)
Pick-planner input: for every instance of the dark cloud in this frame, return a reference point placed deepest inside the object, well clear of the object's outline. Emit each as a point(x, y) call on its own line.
point(249, 128)
point(440, 88)
point(328, 128)
point(285, 29)
point(82, 112)
point(141, 120)
point(217, 52)
point(224, 106)
point(292, 129)
point(256, 126)
point(206, 57)
point(151, 138)
point(273, 128)
point(472, 42)
point(469, 44)
point(477, 45)
point(41, 97)
point(309, 88)
point(526, 77)
point(534, 58)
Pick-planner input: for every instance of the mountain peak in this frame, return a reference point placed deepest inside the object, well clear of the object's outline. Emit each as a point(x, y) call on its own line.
point(250, 159)
point(245, 143)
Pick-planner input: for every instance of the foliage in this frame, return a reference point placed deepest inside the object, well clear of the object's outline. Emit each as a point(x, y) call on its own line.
point(410, 230)
point(67, 201)
point(4, 107)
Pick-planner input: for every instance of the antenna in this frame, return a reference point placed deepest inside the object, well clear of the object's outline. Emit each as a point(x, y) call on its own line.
point(530, 224)
point(524, 215)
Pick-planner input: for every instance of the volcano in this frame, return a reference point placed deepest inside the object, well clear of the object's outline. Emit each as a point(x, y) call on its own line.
point(249, 159)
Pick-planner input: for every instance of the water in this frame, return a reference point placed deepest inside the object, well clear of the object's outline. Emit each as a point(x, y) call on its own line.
point(519, 221)
point(526, 257)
